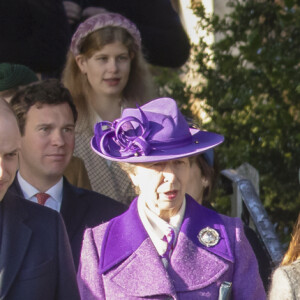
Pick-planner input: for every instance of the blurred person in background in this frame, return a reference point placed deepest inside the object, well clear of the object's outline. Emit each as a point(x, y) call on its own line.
point(164, 40)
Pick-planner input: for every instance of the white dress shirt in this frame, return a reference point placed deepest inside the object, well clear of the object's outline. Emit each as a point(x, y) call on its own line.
point(55, 192)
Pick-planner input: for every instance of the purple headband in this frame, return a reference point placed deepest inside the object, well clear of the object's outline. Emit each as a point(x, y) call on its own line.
point(100, 21)
point(156, 131)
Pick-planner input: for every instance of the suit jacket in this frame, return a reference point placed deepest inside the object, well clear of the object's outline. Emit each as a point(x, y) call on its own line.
point(285, 282)
point(119, 260)
point(80, 209)
point(35, 255)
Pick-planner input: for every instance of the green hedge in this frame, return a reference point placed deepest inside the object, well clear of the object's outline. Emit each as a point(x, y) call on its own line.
point(251, 82)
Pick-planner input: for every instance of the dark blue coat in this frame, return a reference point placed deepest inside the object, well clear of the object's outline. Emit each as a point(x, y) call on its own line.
point(34, 33)
point(35, 255)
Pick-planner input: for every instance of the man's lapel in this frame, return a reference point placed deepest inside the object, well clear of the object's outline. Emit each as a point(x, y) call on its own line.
point(15, 240)
point(72, 209)
point(15, 188)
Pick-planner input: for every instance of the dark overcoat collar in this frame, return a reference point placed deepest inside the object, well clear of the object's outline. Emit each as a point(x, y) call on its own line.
point(73, 209)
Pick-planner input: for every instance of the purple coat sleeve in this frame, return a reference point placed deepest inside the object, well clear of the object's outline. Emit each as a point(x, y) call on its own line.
point(247, 284)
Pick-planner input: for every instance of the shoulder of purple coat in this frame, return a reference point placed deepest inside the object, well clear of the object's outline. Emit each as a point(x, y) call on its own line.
point(198, 217)
point(124, 234)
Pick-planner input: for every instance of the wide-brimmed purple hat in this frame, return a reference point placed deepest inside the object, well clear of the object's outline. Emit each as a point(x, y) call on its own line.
point(156, 131)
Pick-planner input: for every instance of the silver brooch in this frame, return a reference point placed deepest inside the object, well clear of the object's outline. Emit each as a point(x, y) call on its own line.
point(208, 237)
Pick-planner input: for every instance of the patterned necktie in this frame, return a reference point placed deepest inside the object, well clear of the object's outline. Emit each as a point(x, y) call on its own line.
point(169, 238)
point(42, 198)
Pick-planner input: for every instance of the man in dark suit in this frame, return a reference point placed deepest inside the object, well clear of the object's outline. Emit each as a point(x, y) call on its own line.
point(47, 116)
point(35, 255)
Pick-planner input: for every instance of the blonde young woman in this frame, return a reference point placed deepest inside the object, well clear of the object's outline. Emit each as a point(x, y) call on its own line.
point(285, 279)
point(105, 72)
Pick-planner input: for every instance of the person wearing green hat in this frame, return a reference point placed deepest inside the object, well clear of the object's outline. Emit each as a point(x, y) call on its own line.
point(12, 76)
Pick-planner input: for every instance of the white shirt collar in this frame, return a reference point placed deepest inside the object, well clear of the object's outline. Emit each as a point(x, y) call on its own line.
point(156, 227)
point(55, 192)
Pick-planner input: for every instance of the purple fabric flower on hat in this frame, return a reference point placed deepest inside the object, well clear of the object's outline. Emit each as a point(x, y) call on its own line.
point(129, 134)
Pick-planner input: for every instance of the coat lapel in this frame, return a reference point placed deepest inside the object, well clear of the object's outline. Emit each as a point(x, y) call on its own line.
point(15, 240)
point(142, 274)
point(128, 246)
point(15, 188)
point(203, 265)
point(198, 270)
point(198, 217)
point(72, 209)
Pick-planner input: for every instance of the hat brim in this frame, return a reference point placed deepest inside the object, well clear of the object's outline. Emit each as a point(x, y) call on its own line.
point(201, 142)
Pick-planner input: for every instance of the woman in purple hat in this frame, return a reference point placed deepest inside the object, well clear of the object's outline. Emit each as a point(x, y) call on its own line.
point(105, 72)
point(166, 245)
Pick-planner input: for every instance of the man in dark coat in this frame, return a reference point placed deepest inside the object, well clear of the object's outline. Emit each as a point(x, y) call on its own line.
point(164, 39)
point(35, 255)
point(47, 116)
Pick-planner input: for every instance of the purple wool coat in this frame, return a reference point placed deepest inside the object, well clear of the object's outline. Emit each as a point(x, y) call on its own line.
point(119, 260)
